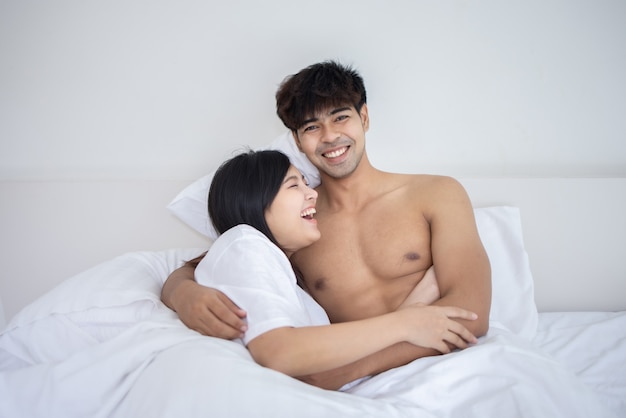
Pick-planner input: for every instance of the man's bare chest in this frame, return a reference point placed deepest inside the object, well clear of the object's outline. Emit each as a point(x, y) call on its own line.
point(374, 258)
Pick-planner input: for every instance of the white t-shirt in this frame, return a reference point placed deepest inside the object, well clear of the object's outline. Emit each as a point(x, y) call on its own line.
point(257, 276)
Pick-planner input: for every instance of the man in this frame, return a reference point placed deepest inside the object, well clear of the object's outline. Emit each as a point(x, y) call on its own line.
point(381, 232)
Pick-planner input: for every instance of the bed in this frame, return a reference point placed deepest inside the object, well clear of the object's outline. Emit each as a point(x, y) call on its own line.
point(101, 344)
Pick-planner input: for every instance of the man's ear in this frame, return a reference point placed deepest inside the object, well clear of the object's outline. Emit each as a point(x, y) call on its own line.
point(365, 118)
point(296, 139)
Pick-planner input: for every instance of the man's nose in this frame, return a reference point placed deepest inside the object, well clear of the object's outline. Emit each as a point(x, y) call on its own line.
point(330, 135)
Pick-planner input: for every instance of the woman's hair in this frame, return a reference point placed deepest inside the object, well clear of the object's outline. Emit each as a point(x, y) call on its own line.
point(317, 88)
point(244, 187)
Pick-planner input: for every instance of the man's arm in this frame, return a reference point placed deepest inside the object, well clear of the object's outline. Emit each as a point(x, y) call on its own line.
point(201, 308)
point(461, 264)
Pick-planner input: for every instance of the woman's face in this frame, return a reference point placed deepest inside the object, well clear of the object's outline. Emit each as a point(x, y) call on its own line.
point(290, 216)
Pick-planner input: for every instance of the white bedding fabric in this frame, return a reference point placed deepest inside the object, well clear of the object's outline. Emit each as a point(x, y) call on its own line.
point(103, 345)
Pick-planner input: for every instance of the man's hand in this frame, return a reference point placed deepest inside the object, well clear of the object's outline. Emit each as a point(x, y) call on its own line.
point(209, 311)
point(201, 308)
point(426, 291)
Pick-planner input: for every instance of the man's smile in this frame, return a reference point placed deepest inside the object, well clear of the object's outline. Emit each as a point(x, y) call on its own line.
point(335, 153)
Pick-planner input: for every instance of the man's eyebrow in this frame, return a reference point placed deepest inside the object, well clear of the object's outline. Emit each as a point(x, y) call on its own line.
point(339, 110)
point(332, 112)
point(313, 119)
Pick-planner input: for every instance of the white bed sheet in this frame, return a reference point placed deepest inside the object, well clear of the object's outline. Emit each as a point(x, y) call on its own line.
point(593, 346)
point(102, 344)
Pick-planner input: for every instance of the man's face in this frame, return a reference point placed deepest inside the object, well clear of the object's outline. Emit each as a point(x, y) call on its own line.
point(334, 139)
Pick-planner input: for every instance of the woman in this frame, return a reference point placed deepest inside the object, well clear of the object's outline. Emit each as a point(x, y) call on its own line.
point(264, 211)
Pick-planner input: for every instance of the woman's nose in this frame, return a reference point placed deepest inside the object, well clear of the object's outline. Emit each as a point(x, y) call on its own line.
point(311, 193)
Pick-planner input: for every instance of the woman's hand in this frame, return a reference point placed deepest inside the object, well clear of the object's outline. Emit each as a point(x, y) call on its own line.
point(434, 327)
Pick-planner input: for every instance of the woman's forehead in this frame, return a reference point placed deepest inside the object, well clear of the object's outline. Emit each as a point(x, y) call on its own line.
point(292, 172)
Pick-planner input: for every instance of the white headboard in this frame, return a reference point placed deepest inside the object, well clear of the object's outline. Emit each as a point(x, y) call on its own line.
point(575, 235)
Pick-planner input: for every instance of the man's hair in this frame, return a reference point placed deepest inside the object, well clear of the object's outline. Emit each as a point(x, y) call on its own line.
point(243, 187)
point(317, 88)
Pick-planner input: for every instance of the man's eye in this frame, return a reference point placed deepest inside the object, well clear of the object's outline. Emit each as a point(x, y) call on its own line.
point(309, 128)
point(342, 117)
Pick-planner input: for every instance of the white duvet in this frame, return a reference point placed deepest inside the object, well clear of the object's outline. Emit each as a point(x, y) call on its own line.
point(103, 345)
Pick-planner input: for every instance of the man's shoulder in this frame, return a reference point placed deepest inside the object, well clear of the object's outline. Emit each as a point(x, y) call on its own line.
point(428, 193)
point(427, 182)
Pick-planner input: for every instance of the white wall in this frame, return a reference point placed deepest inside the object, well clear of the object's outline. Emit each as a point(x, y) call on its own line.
point(131, 91)
point(155, 89)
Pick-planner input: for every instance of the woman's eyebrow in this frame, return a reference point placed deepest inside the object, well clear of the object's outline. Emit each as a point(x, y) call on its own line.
point(294, 177)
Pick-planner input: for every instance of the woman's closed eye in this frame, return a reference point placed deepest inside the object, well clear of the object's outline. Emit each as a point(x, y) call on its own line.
point(294, 182)
point(298, 184)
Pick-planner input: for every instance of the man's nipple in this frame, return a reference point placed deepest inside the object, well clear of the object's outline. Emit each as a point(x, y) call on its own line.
point(412, 256)
point(319, 284)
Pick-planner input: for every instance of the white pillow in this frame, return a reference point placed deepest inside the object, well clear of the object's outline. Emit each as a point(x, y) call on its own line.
point(2, 318)
point(513, 296)
point(190, 205)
